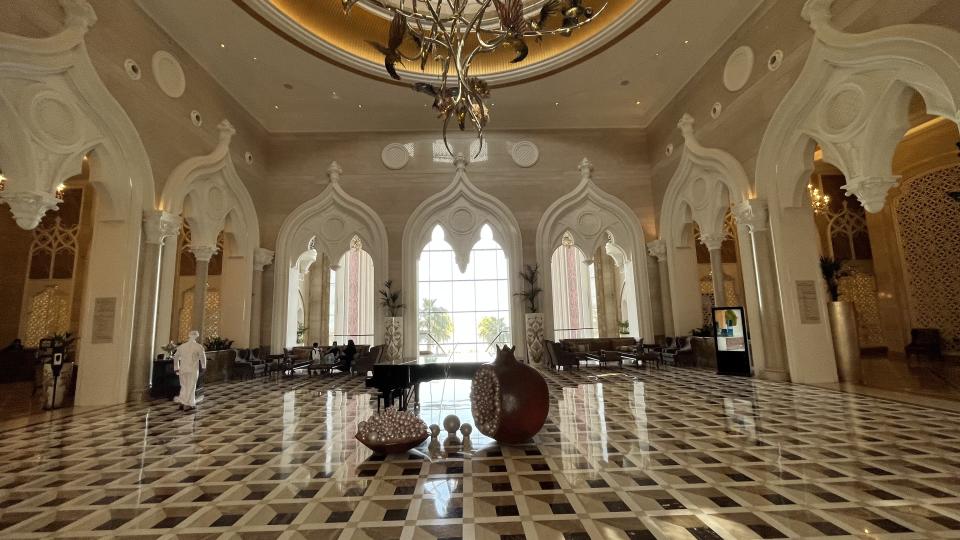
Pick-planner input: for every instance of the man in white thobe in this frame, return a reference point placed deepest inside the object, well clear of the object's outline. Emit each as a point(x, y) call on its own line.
point(189, 359)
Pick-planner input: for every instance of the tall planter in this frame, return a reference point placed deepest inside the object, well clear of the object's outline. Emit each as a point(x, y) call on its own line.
point(53, 400)
point(393, 338)
point(533, 330)
point(846, 343)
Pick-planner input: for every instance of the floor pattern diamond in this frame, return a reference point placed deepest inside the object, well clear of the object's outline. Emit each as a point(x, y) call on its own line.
point(631, 454)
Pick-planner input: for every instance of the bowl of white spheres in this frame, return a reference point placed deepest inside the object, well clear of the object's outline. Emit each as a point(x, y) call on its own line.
point(392, 431)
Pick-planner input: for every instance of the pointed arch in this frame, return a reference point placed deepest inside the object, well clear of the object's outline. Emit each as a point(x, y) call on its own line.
point(208, 193)
point(328, 222)
point(462, 210)
point(54, 109)
point(706, 183)
point(851, 98)
point(589, 214)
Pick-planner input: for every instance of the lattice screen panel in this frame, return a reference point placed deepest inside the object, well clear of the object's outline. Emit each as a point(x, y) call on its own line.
point(49, 313)
point(861, 289)
point(928, 222)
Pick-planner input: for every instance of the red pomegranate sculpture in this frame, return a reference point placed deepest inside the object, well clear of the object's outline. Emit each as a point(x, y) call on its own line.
point(510, 400)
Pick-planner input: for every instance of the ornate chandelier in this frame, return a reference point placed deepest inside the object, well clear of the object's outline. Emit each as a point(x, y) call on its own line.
point(818, 200)
point(443, 31)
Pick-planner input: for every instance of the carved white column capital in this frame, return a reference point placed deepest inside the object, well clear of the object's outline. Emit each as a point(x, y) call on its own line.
point(29, 207)
point(871, 190)
point(586, 169)
point(227, 131)
point(262, 258)
point(657, 248)
point(753, 213)
point(203, 253)
point(79, 14)
point(686, 125)
point(713, 241)
point(334, 171)
point(159, 225)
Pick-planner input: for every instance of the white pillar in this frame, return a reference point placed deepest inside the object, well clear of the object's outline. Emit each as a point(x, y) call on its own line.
point(202, 254)
point(753, 213)
point(714, 243)
point(158, 226)
point(261, 258)
point(658, 249)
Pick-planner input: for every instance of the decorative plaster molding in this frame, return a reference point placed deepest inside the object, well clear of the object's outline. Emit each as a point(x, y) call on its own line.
point(657, 248)
point(332, 219)
point(261, 259)
point(28, 207)
point(203, 253)
point(79, 14)
point(590, 216)
point(713, 241)
point(159, 225)
point(871, 191)
point(817, 13)
point(753, 213)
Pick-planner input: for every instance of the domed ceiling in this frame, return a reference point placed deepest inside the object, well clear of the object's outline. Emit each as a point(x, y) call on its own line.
point(321, 28)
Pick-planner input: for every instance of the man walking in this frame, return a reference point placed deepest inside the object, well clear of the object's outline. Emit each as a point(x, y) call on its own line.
point(189, 360)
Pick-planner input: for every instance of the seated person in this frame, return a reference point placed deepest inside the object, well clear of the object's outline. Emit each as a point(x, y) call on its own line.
point(333, 354)
point(346, 356)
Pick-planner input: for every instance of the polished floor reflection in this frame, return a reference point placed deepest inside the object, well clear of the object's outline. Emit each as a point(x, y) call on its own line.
point(629, 454)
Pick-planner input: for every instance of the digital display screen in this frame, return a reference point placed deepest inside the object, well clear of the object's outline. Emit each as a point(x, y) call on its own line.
point(729, 329)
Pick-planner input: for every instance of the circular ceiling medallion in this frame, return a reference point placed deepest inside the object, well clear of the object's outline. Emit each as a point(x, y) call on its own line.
point(395, 156)
point(54, 117)
point(716, 110)
point(842, 109)
point(738, 69)
point(196, 118)
point(525, 154)
point(775, 60)
point(168, 73)
point(325, 31)
point(133, 69)
point(332, 229)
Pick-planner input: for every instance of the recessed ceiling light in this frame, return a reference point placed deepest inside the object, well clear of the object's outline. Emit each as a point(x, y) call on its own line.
point(254, 58)
point(288, 86)
point(360, 105)
point(277, 107)
point(638, 102)
point(334, 95)
point(686, 41)
point(625, 82)
point(656, 54)
point(556, 103)
point(222, 46)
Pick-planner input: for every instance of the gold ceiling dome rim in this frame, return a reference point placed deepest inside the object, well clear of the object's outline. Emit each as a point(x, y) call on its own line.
point(322, 29)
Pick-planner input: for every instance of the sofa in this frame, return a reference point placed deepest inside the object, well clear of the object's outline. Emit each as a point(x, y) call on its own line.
point(595, 345)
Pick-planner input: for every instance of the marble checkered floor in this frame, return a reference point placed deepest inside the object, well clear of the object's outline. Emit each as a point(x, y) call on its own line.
point(630, 454)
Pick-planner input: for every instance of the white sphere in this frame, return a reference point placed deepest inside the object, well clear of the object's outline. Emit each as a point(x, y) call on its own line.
point(451, 423)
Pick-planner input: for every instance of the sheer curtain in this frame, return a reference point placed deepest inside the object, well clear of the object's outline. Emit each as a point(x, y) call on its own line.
point(352, 298)
point(573, 303)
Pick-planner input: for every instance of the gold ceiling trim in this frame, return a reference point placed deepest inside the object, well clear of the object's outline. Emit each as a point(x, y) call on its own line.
point(349, 34)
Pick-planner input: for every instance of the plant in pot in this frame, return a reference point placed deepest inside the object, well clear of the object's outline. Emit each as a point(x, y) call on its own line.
point(624, 327)
point(843, 321)
point(393, 320)
point(219, 358)
point(533, 319)
point(704, 350)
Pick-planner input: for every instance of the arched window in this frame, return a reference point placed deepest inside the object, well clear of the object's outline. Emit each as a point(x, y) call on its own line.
point(351, 308)
point(574, 305)
point(463, 314)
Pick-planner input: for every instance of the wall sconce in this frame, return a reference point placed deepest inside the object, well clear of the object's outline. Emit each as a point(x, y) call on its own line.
point(819, 201)
point(3, 182)
point(60, 190)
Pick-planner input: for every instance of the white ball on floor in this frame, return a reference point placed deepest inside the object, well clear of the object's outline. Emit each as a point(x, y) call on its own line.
point(451, 423)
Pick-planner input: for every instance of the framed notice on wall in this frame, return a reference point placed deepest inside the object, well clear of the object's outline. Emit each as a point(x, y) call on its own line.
point(104, 316)
point(808, 301)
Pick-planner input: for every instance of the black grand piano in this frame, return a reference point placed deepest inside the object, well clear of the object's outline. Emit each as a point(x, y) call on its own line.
point(398, 381)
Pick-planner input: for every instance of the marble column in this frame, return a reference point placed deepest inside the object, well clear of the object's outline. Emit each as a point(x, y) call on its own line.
point(158, 226)
point(261, 259)
point(658, 249)
point(753, 213)
point(714, 243)
point(202, 254)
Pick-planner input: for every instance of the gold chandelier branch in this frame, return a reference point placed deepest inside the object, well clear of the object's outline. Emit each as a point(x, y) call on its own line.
point(446, 42)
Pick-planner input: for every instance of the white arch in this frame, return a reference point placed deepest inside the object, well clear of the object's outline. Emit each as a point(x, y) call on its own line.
point(851, 97)
point(462, 210)
point(334, 218)
point(588, 213)
point(54, 109)
point(207, 191)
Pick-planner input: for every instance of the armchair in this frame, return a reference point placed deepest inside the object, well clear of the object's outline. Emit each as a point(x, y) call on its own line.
point(560, 358)
point(681, 354)
point(924, 342)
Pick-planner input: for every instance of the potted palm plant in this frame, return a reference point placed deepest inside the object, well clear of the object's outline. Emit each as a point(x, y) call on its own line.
point(843, 321)
point(393, 321)
point(533, 319)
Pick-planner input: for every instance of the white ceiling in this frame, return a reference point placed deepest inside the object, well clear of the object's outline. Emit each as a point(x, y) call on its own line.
point(589, 94)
